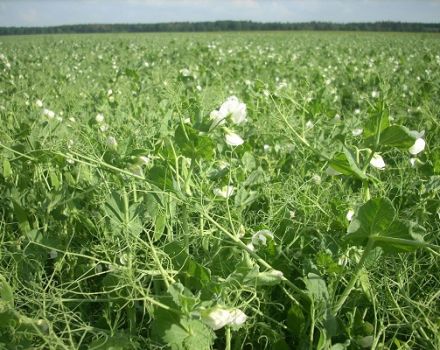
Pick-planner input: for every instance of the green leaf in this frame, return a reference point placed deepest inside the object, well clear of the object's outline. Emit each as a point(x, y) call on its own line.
point(399, 237)
point(296, 322)
point(187, 265)
point(160, 176)
point(248, 161)
point(159, 225)
point(371, 126)
point(115, 342)
point(374, 217)
point(7, 170)
point(317, 289)
point(6, 293)
point(182, 297)
point(179, 332)
point(193, 144)
point(375, 220)
point(257, 177)
point(396, 136)
point(21, 217)
point(345, 164)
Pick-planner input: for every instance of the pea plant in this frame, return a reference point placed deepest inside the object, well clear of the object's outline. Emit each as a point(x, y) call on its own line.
point(212, 191)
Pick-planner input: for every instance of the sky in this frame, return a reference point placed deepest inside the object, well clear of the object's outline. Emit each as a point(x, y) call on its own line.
point(58, 12)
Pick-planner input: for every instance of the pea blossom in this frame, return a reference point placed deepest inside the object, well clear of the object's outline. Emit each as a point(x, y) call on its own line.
point(48, 113)
point(111, 142)
point(219, 317)
point(261, 237)
point(232, 108)
point(419, 146)
point(99, 118)
point(377, 161)
point(225, 191)
point(233, 139)
point(357, 131)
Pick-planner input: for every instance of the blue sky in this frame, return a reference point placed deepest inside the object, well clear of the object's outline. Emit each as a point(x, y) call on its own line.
point(57, 12)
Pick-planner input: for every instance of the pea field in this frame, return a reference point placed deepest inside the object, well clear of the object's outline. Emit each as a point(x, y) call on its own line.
point(265, 190)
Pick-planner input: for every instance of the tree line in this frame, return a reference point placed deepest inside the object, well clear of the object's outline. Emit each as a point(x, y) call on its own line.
point(386, 26)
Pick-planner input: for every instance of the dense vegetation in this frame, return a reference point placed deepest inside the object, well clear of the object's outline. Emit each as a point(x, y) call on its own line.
point(227, 191)
point(223, 26)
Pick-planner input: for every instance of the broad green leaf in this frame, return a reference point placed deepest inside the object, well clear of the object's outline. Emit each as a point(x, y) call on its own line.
point(296, 322)
point(179, 332)
point(159, 225)
point(396, 136)
point(317, 289)
point(353, 164)
point(6, 293)
point(248, 161)
point(7, 170)
point(160, 176)
point(256, 177)
point(187, 266)
point(371, 126)
point(182, 297)
point(193, 144)
point(376, 220)
point(21, 216)
point(374, 217)
point(401, 238)
point(114, 342)
point(345, 164)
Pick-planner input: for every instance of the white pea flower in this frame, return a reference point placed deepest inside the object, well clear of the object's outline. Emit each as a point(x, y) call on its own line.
point(99, 118)
point(235, 109)
point(109, 92)
point(309, 124)
point(144, 160)
point(377, 161)
point(225, 191)
point(217, 118)
point(39, 103)
point(238, 317)
point(48, 113)
point(103, 127)
point(357, 131)
point(111, 142)
point(261, 237)
point(375, 94)
point(357, 111)
point(219, 317)
point(316, 179)
point(337, 118)
point(266, 148)
point(350, 214)
point(419, 146)
point(233, 139)
point(185, 72)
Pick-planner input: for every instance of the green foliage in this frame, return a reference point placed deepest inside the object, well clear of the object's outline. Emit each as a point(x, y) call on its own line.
point(127, 216)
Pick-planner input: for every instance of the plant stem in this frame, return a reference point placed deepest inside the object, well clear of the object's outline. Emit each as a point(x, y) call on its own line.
point(354, 278)
point(185, 227)
point(228, 338)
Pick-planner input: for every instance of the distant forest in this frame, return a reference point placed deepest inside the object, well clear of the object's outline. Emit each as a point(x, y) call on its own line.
point(223, 26)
